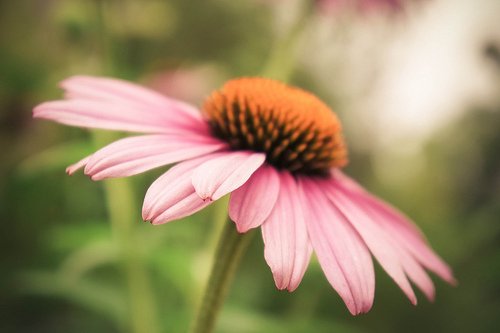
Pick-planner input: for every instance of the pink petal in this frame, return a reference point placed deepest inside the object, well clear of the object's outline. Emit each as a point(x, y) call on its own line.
point(397, 224)
point(287, 249)
point(78, 165)
point(417, 274)
point(134, 155)
point(341, 252)
point(119, 115)
point(252, 203)
point(219, 176)
point(172, 195)
point(352, 186)
point(379, 243)
point(411, 267)
point(115, 90)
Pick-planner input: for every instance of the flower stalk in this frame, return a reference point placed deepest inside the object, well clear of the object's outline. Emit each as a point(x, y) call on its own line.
point(230, 249)
point(231, 244)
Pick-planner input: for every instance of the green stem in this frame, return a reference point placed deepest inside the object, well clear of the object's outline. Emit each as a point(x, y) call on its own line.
point(228, 254)
point(231, 245)
point(122, 210)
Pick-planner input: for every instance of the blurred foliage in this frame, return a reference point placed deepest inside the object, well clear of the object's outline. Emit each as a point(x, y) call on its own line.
point(63, 262)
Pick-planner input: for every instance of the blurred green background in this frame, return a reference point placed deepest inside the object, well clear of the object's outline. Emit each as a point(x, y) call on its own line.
point(67, 268)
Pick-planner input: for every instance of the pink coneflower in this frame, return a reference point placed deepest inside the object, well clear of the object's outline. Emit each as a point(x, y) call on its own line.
point(278, 150)
point(362, 6)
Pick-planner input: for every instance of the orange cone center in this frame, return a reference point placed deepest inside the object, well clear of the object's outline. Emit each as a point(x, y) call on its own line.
point(295, 129)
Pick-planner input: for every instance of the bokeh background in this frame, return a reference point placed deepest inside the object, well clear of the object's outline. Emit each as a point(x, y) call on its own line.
point(416, 83)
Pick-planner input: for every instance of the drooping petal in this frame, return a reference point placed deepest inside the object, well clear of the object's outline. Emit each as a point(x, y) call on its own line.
point(417, 245)
point(252, 203)
point(219, 176)
point(416, 273)
point(341, 252)
point(379, 243)
point(134, 155)
point(396, 223)
point(287, 248)
point(352, 186)
point(118, 116)
point(172, 195)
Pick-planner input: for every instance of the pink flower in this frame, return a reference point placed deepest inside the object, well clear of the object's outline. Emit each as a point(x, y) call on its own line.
point(362, 6)
point(278, 151)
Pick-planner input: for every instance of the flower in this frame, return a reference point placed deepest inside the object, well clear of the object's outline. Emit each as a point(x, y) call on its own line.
point(278, 151)
point(362, 6)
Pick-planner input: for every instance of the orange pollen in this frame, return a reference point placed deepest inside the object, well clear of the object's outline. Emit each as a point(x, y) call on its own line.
point(295, 130)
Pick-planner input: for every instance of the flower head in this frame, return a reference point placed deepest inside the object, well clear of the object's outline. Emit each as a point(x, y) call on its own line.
point(278, 151)
point(296, 131)
point(362, 6)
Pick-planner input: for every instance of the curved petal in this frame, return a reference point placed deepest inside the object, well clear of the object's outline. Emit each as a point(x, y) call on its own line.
point(341, 252)
point(352, 186)
point(379, 243)
point(417, 274)
point(172, 195)
point(252, 203)
point(134, 155)
point(115, 90)
point(287, 248)
point(219, 176)
point(396, 223)
point(119, 116)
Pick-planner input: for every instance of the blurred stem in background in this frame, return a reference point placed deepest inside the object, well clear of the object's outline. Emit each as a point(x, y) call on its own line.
point(283, 54)
point(122, 210)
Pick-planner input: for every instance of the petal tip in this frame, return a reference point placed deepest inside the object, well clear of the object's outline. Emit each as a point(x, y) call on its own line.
point(452, 281)
point(278, 281)
point(155, 221)
point(70, 171)
point(366, 309)
point(94, 177)
point(239, 228)
point(38, 110)
point(147, 216)
point(353, 310)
